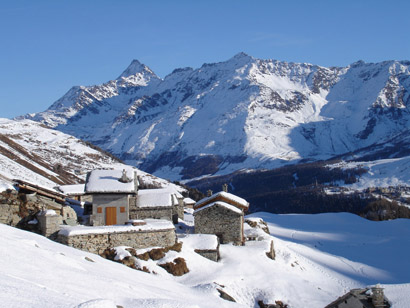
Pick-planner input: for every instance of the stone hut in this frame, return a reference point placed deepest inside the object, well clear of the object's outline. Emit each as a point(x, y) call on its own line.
point(112, 193)
point(221, 214)
point(362, 298)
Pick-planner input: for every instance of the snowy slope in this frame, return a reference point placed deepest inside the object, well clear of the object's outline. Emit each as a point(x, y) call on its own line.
point(380, 173)
point(241, 113)
point(29, 151)
point(318, 258)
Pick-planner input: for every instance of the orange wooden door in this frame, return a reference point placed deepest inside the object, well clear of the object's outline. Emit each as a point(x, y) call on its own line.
point(110, 216)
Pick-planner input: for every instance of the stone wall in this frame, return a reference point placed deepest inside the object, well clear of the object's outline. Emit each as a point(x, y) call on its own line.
point(212, 255)
point(151, 212)
point(97, 243)
point(218, 220)
point(49, 224)
point(179, 209)
point(10, 208)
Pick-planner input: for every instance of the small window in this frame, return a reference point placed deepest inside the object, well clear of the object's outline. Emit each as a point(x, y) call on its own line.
point(99, 210)
point(122, 209)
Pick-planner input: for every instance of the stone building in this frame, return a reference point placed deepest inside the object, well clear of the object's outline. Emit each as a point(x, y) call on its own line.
point(112, 193)
point(362, 298)
point(221, 214)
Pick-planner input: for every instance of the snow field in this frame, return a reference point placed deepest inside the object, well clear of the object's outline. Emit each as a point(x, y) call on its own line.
point(318, 258)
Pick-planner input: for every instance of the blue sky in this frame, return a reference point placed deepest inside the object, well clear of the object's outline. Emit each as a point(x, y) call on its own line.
point(49, 46)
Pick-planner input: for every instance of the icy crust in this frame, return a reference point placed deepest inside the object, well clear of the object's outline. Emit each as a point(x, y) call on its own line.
point(151, 198)
point(200, 241)
point(220, 203)
point(104, 181)
point(225, 195)
point(151, 225)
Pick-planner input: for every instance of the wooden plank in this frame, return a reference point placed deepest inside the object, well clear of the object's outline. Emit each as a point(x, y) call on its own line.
point(58, 198)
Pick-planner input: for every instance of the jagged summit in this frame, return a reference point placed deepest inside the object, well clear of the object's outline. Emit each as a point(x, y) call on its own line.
point(241, 55)
point(137, 67)
point(240, 113)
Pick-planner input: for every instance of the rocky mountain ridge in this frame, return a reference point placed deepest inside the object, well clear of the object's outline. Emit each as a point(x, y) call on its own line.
point(244, 113)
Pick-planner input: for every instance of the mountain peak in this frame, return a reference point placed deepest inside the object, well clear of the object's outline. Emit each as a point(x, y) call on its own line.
point(136, 67)
point(241, 55)
point(241, 58)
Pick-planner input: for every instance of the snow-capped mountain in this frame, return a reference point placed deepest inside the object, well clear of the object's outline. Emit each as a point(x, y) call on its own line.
point(241, 113)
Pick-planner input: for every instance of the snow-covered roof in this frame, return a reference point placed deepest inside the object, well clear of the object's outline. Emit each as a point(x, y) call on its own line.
point(107, 181)
point(154, 198)
point(200, 241)
point(169, 189)
point(220, 203)
point(189, 201)
point(222, 195)
point(151, 225)
point(70, 190)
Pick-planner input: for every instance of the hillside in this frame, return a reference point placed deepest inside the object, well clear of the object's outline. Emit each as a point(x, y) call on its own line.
point(244, 113)
point(318, 258)
point(31, 152)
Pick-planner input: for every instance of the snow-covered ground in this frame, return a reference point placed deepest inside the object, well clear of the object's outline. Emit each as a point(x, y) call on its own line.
point(318, 258)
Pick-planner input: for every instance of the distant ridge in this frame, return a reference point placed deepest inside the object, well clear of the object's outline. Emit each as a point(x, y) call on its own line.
point(244, 113)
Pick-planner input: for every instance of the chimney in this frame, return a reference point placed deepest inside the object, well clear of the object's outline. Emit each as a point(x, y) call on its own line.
point(225, 187)
point(209, 193)
point(124, 178)
point(378, 296)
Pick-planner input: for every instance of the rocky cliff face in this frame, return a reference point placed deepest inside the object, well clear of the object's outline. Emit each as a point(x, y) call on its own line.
point(241, 113)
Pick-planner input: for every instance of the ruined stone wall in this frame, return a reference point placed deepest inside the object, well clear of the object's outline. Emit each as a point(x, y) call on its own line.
point(152, 212)
point(9, 208)
point(97, 243)
point(16, 209)
point(218, 220)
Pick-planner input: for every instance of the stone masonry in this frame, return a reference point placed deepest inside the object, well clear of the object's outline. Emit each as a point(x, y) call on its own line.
point(10, 208)
point(49, 224)
point(97, 243)
point(212, 255)
point(218, 220)
point(151, 212)
point(16, 209)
